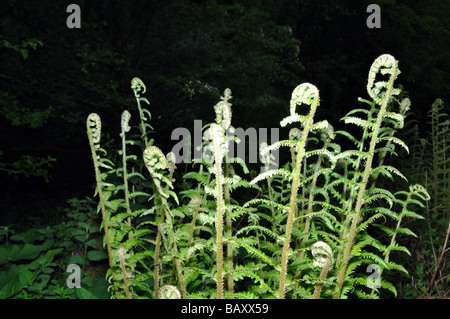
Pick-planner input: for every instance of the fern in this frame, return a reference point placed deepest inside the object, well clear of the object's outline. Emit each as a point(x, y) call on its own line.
point(94, 136)
point(305, 230)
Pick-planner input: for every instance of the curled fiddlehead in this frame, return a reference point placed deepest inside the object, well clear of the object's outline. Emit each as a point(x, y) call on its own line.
point(137, 86)
point(223, 110)
point(405, 105)
point(385, 64)
point(94, 129)
point(169, 292)
point(295, 134)
point(125, 120)
point(305, 93)
point(322, 253)
point(227, 95)
point(154, 159)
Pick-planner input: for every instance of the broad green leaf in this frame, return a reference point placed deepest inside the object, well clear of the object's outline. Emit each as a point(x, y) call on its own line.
point(83, 293)
point(96, 255)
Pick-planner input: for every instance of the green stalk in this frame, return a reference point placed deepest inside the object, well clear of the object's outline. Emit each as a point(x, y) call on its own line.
point(125, 128)
point(365, 179)
point(229, 233)
point(323, 274)
point(94, 139)
point(181, 281)
point(293, 198)
point(217, 140)
point(321, 251)
point(125, 274)
point(156, 255)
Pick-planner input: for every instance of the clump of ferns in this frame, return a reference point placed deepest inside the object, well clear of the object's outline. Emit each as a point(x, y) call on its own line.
point(118, 273)
point(325, 199)
point(337, 205)
point(362, 203)
point(299, 177)
point(311, 212)
point(219, 179)
point(123, 201)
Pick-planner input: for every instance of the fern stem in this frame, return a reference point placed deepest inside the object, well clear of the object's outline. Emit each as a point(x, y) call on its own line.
point(219, 236)
point(229, 233)
point(365, 179)
point(293, 199)
point(348, 205)
point(98, 179)
point(156, 255)
point(218, 141)
point(155, 159)
point(126, 128)
point(181, 280)
point(125, 273)
point(166, 215)
point(192, 233)
point(323, 274)
point(219, 230)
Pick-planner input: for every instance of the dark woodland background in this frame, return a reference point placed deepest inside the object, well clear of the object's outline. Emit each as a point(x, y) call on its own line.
point(187, 53)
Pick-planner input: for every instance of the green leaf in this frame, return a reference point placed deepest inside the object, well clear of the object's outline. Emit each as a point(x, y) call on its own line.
point(19, 252)
point(114, 204)
point(76, 259)
point(139, 193)
point(96, 255)
point(45, 259)
point(10, 282)
point(83, 293)
point(406, 231)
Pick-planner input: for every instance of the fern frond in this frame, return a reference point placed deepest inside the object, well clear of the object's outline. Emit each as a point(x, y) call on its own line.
point(386, 171)
point(398, 118)
point(394, 140)
point(392, 265)
point(360, 122)
point(395, 246)
point(270, 174)
point(262, 229)
point(406, 231)
point(255, 252)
